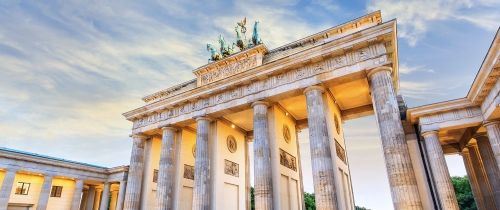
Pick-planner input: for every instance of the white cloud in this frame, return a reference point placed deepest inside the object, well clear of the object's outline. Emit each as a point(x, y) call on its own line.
point(416, 16)
point(407, 69)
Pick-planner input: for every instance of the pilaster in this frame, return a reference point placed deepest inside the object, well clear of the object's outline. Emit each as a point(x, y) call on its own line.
point(45, 193)
point(8, 182)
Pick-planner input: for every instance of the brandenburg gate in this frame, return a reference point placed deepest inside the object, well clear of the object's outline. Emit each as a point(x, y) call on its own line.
point(191, 141)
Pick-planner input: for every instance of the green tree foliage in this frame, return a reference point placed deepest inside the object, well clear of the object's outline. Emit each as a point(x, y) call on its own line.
point(361, 208)
point(464, 193)
point(309, 201)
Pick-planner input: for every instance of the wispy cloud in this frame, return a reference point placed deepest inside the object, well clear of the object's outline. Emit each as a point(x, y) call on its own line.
point(416, 17)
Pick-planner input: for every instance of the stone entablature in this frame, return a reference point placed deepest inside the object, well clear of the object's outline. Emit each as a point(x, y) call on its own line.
point(376, 52)
point(34, 163)
point(325, 36)
point(340, 57)
point(470, 116)
point(234, 64)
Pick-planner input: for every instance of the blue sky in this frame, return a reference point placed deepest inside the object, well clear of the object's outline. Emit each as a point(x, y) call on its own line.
point(70, 68)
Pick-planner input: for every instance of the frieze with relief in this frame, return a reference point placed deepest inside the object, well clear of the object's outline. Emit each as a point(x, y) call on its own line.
point(340, 152)
point(288, 160)
point(274, 81)
point(231, 168)
point(188, 172)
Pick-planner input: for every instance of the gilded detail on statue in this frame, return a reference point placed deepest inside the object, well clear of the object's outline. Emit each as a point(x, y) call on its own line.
point(374, 51)
point(231, 168)
point(188, 172)
point(288, 160)
point(232, 146)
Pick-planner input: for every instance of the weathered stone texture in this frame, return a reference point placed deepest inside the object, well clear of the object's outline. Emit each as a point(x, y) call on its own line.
point(402, 179)
point(262, 158)
point(321, 155)
point(490, 166)
point(440, 173)
point(480, 172)
point(134, 183)
point(164, 193)
point(201, 188)
point(493, 129)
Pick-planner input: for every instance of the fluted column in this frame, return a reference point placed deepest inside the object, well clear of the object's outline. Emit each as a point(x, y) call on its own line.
point(474, 182)
point(166, 172)
point(112, 201)
point(440, 173)
point(121, 195)
point(490, 165)
point(402, 178)
point(77, 195)
point(493, 130)
point(44, 193)
point(479, 170)
point(263, 185)
point(97, 199)
point(105, 197)
point(7, 183)
point(91, 194)
point(136, 168)
point(321, 155)
point(201, 188)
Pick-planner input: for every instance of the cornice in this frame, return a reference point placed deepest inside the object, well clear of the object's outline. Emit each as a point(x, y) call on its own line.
point(413, 114)
point(348, 43)
point(488, 71)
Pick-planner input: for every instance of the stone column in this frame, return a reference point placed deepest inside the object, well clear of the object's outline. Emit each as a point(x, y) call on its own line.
point(97, 198)
point(77, 195)
point(490, 165)
point(105, 197)
point(439, 170)
point(263, 185)
point(6, 190)
point(166, 172)
point(402, 179)
point(91, 194)
point(474, 182)
point(45, 193)
point(321, 155)
point(201, 188)
point(136, 168)
point(479, 170)
point(121, 195)
point(493, 129)
point(112, 202)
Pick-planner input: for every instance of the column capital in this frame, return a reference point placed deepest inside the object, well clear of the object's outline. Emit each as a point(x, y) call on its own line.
point(139, 136)
point(260, 103)
point(427, 133)
point(314, 87)
point(488, 123)
point(198, 118)
point(169, 127)
point(379, 69)
point(478, 136)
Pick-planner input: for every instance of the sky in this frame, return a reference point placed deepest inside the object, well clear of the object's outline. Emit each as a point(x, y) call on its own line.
point(69, 69)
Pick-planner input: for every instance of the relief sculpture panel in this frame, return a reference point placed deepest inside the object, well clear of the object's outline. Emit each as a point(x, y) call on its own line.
point(288, 160)
point(231, 168)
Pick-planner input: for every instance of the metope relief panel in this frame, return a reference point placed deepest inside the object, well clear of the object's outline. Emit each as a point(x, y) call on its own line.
point(340, 152)
point(188, 172)
point(288, 160)
point(351, 58)
point(231, 168)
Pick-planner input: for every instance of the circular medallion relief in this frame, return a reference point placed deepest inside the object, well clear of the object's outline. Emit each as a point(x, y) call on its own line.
point(231, 144)
point(194, 150)
point(286, 133)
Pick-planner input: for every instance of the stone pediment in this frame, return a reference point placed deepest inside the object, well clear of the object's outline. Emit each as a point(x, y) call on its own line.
point(232, 65)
